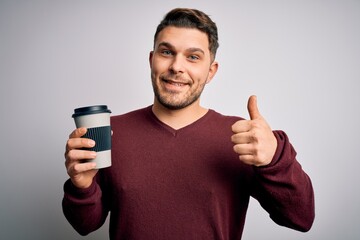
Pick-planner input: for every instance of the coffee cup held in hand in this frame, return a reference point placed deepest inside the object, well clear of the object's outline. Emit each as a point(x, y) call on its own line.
point(97, 121)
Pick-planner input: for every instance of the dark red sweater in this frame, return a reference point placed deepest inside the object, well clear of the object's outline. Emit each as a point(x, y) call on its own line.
point(187, 183)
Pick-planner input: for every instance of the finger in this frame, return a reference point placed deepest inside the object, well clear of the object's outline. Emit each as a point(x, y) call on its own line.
point(247, 159)
point(81, 167)
point(244, 149)
point(75, 143)
point(241, 138)
point(79, 132)
point(253, 108)
point(241, 126)
point(79, 156)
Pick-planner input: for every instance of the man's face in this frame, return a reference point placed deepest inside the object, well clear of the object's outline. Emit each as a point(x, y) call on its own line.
point(180, 66)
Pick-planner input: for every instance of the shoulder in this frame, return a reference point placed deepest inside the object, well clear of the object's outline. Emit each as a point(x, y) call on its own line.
point(136, 119)
point(217, 117)
point(136, 114)
point(217, 123)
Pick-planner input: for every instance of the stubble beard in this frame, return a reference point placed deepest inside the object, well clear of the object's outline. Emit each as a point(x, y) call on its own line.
point(170, 100)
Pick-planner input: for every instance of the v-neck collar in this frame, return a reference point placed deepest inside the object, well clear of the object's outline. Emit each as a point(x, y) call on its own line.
point(173, 131)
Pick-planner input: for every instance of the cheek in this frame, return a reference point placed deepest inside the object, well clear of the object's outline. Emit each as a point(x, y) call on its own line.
point(200, 75)
point(159, 65)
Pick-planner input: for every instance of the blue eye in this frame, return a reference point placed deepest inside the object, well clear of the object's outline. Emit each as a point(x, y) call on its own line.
point(194, 57)
point(166, 52)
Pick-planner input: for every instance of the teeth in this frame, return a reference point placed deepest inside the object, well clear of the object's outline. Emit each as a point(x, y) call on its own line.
point(176, 84)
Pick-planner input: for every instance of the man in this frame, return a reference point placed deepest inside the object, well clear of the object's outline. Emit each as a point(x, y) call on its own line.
point(181, 171)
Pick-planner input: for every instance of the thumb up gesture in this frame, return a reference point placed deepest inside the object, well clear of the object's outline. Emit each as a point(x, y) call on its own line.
point(253, 139)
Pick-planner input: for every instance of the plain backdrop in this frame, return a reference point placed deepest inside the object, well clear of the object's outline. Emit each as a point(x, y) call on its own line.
point(301, 58)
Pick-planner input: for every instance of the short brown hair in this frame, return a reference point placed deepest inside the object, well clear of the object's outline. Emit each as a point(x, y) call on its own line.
point(191, 18)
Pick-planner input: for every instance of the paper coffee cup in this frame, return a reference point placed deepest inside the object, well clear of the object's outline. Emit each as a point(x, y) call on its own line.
point(97, 121)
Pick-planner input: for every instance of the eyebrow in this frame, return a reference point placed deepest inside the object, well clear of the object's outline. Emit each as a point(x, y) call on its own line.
point(165, 44)
point(169, 45)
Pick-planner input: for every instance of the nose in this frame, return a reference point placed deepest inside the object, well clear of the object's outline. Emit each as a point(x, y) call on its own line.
point(177, 65)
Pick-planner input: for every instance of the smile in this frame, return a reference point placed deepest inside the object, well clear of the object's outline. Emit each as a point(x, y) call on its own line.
point(175, 83)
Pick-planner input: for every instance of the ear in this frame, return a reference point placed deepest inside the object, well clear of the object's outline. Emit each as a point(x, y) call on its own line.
point(150, 58)
point(212, 71)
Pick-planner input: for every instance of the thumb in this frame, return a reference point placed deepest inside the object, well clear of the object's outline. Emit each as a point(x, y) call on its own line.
point(253, 108)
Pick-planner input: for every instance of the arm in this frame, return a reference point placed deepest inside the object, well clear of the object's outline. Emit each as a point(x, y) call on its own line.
point(83, 199)
point(281, 186)
point(284, 190)
point(84, 208)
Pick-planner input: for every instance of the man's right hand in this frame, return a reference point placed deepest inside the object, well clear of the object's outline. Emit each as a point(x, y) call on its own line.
point(80, 171)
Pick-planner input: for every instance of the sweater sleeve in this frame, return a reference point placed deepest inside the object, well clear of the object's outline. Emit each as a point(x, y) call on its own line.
point(84, 208)
point(284, 190)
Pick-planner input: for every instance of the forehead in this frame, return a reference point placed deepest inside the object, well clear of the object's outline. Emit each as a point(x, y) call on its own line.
point(183, 38)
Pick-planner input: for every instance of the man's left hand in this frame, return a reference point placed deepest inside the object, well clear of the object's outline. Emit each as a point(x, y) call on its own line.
point(253, 139)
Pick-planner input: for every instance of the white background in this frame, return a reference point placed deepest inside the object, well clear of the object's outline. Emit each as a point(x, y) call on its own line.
point(301, 58)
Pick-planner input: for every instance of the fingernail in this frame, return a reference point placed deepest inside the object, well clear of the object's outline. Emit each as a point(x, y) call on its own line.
point(93, 154)
point(91, 143)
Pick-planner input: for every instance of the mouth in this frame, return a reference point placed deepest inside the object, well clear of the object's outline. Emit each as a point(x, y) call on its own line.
point(179, 84)
point(174, 83)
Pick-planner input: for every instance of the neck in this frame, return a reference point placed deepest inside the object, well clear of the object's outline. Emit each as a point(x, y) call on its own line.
point(180, 118)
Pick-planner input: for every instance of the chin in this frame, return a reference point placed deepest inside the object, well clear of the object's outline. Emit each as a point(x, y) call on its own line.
point(176, 106)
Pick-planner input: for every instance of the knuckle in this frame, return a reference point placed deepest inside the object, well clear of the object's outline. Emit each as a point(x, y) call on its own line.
point(237, 148)
point(79, 132)
point(73, 133)
point(76, 168)
point(234, 127)
point(255, 149)
point(69, 169)
point(238, 125)
point(72, 155)
point(69, 142)
point(254, 135)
